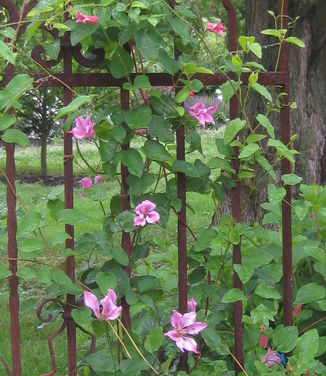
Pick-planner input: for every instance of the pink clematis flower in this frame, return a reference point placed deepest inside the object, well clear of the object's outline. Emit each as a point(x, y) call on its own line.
point(297, 310)
point(202, 113)
point(83, 18)
point(145, 214)
point(86, 183)
point(191, 304)
point(217, 28)
point(263, 341)
point(183, 325)
point(97, 179)
point(271, 358)
point(84, 128)
point(107, 310)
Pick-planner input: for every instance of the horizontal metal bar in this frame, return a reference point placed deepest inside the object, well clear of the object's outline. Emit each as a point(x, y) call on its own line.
point(156, 79)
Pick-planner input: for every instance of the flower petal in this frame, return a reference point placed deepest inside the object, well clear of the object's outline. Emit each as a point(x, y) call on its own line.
point(153, 217)
point(188, 319)
point(196, 328)
point(97, 179)
point(172, 334)
point(176, 319)
point(86, 182)
point(139, 221)
point(113, 296)
point(186, 343)
point(90, 301)
point(191, 304)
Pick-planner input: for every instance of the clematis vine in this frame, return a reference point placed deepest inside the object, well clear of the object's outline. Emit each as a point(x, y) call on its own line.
point(146, 214)
point(202, 113)
point(217, 28)
point(185, 325)
point(83, 18)
point(84, 128)
point(271, 358)
point(107, 310)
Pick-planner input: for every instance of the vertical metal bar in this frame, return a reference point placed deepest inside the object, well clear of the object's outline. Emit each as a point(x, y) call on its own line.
point(236, 200)
point(182, 220)
point(286, 169)
point(69, 204)
point(12, 256)
point(125, 203)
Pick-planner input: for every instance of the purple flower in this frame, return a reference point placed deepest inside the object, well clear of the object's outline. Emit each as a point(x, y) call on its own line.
point(202, 113)
point(84, 128)
point(107, 309)
point(271, 358)
point(86, 182)
point(145, 214)
point(183, 325)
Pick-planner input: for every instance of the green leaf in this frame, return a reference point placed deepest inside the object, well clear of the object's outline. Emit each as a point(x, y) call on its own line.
point(121, 64)
point(143, 4)
point(248, 150)
point(183, 94)
point(229, 88)
point(119, 255)
point(244, 272)
point(262, 91)
point(190, 69)
point(180, 27)
point(268, 292)
point(307, 346)
point(275, 195)
point(18, 86)
point(149, 42)
point(170, 65)
point(264, 121)
point(6, 121)
point(154, 340)
point(74, 105)
point(82, 316)
point(6, 53)
point(282, 150)
point(233, 295)
point(140, 82)
point(285, 338)
point(106, 281)
point(204, 240)
point(232, 129)
point(161, 128)
point(155, 151)
point(71, 216)
point(294, 40)
point(133, 160)
point(255, 48)
point(309, 293)
point(291, 179)
point(81, 31)
point(30, 222)
point(271, 32)
point(15, 136)
point(196, 85)
point(266, 165)
point(139, 117)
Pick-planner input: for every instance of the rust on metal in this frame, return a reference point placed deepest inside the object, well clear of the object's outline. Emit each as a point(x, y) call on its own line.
point(286, 169)
point(236, 201)
point(125, 204)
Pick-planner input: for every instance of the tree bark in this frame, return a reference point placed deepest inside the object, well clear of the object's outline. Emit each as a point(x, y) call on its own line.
point(307, 89)
point(308, 77)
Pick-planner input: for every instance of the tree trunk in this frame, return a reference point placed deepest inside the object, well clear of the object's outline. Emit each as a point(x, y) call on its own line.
point(308, 77)
point(307, 89)
point(44, 137)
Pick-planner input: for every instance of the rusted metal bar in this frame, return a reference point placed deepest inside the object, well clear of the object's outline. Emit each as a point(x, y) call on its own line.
point(156, 79)
point(69, 204)
point(286, 169)
point(125, 203)
point(236, 201)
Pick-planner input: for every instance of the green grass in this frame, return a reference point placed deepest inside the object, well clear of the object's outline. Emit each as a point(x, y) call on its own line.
point(35, 355)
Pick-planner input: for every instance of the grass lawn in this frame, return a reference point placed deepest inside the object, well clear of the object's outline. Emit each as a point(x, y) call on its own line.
point(35, 355)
